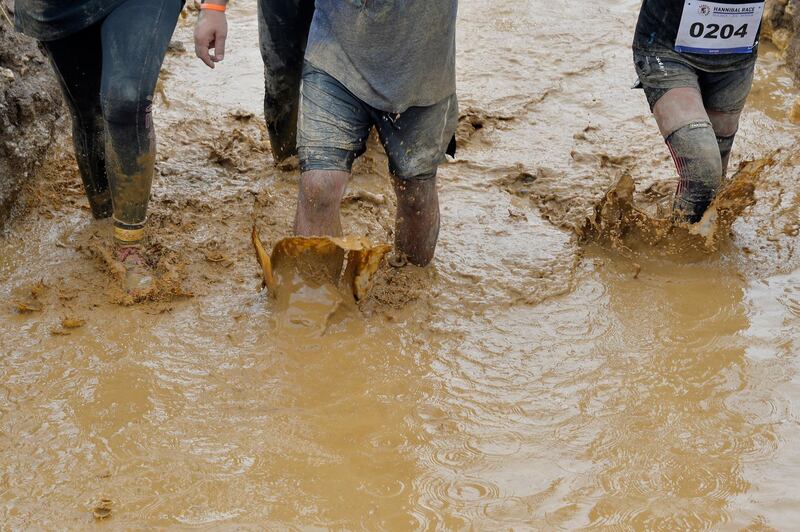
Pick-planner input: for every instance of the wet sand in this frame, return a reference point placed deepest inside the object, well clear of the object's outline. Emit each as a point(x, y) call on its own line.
point(533, 379)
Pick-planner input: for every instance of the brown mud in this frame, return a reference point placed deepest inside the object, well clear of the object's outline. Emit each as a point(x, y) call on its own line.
point(30, 107)
point(533, 378)
point(782, 27)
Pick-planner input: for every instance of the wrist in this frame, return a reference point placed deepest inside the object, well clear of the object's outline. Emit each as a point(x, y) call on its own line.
point(214, 5)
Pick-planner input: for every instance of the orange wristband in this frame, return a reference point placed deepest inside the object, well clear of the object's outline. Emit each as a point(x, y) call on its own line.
point(213, 7)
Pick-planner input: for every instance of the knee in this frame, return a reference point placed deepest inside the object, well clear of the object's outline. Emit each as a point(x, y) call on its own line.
point(697, 155)
point(725, 124)
point(707, 167)
point(322, 190)
point(124, 102)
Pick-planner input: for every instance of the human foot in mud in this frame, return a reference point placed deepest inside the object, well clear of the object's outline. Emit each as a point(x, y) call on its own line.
point(138, 275)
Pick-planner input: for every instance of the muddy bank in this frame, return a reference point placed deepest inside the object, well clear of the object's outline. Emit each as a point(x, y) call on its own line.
point(30, 104)
point(782, 27)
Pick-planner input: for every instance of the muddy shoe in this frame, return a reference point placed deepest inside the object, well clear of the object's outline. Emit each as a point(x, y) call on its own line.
point(138, 276)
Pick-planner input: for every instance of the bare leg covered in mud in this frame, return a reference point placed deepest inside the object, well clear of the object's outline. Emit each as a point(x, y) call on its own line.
point(318, 203)
point(417, 220)
point(700, 142)
point(417, 230)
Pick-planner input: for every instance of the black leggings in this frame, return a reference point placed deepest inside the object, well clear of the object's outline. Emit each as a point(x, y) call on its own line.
point(283, 27)
point(108, 74)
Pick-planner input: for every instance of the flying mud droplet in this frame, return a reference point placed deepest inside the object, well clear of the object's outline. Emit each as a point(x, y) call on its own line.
point(102, 509)
point(72, 323)
point(320, 260)
point(30, 300)
point(26, 307)
point(625, 223)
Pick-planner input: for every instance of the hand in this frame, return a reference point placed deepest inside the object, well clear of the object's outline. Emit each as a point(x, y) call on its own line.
point(210, 33)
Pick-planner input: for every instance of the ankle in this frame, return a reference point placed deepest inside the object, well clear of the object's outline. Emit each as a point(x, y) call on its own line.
point(128, 235)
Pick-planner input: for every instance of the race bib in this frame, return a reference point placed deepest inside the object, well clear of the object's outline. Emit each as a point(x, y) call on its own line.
point(719, 27)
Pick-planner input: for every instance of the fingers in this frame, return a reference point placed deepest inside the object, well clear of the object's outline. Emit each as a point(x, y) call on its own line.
point(219, 47)
point(201, 51)
point(201, 47)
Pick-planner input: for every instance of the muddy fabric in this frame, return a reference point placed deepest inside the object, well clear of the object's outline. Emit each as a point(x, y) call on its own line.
point(697, 158)
point(334, 125)
point(47, 20)
point(725, 146)
point(657, 30)
point(725, 92)
point(283, 27)
point(392, 54)
point(108, 74)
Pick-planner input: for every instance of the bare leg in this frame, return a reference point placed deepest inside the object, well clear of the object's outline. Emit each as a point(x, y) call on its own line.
point(417, 223)
point(318, 203)
point(677, 108)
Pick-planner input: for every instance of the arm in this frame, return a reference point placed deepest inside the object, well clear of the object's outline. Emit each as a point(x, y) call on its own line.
point(211, 32)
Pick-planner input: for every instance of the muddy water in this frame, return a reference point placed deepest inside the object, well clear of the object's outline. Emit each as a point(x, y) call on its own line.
point(528, 381)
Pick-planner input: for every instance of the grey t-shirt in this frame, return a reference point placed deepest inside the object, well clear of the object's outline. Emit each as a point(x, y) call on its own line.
point(48, 20)
point(392, 54)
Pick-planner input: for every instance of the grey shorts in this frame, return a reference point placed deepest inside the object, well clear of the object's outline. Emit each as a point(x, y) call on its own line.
point(333, 126)
point(725, 92)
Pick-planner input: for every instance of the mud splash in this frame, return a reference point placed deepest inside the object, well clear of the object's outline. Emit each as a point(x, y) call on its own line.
point(625, 224)
point(319, 260)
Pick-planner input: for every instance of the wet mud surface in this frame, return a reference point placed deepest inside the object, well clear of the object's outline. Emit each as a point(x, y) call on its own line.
point(566, 363)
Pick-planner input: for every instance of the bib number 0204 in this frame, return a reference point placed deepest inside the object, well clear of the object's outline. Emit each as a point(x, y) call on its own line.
point(715, 31)
point(720, 27)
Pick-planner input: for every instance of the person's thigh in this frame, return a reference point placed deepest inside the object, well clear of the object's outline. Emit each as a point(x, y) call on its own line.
point(726, 92)
point(677, 108)
point(283, 27)
point(416, 140)
point(332, 125)
point(672, 89)
point(135, 38)
point(77, 61)
point(660, 73)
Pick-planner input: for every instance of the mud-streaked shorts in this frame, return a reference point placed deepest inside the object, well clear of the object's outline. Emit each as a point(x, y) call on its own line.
point(725, 92)
point(333, 126)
